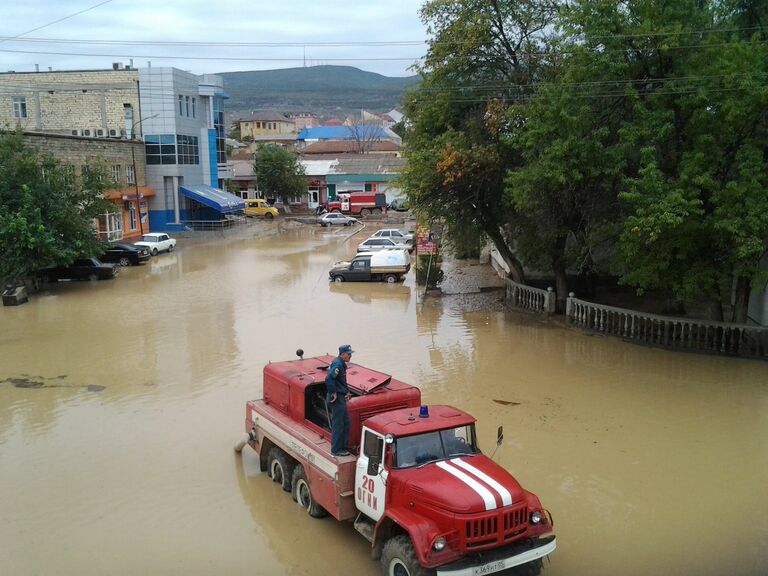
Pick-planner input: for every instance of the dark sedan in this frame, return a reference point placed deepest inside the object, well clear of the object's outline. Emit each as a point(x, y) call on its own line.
point(81, 269)
point(125, 254)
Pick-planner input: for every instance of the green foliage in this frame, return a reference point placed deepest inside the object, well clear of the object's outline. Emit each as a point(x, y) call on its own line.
point(429, 271)
point(279, 172)
point(46, 213)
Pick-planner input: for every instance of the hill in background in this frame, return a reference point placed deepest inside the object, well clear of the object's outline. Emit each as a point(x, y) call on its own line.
point(328, 91)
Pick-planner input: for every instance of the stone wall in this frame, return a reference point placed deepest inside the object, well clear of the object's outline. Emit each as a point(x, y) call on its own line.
point(84, 100)
point(78, 151)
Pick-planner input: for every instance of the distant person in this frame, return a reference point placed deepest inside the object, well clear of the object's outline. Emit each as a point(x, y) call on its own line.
point(320, 209)
point(337, 396)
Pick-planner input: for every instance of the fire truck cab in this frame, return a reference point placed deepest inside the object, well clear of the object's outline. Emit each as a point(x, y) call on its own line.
point(419, 488)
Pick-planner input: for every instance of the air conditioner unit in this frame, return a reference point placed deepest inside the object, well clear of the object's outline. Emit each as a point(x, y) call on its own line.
point(100, 132)
point(114, 133)
point(86, 132)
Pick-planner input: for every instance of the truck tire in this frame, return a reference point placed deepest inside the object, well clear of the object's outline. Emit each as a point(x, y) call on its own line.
point(390, 278)
point(280, 468)
point(398, 558)
point(303, 495)
point(365, 212)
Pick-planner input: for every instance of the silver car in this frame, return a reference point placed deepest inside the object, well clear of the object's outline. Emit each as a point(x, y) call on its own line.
point(374, 244)
point(394, 234)
point(335, 219)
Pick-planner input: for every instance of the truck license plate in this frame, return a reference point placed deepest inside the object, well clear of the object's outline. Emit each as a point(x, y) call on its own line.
point(489, 568)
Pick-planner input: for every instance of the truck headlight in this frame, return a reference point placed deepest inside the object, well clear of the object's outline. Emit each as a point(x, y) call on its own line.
point(439, 543)
point(536, 517)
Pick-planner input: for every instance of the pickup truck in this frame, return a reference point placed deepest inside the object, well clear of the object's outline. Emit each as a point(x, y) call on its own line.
point(388, 265)
point(416, 485)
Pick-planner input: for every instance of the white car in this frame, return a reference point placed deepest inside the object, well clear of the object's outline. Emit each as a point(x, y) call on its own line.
point(375, 244)
point(157, 242)
point(394, 234)
point(335, 219)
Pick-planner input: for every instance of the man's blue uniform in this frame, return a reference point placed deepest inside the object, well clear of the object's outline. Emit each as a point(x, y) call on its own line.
point(336, 381)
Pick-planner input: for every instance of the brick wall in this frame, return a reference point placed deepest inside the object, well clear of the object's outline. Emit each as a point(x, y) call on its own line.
point(65, 101)
point(78, 151)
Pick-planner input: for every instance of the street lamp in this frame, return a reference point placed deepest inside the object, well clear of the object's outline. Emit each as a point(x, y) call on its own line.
point(139, 196)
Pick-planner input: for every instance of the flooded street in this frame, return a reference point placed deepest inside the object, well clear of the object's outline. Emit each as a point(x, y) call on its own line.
point(120, 402)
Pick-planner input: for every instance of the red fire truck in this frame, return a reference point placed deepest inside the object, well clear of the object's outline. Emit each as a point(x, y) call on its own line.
point(419, 489)
point(362, 203)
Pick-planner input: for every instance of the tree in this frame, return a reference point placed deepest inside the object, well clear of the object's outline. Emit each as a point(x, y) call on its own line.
point(457, 158)
point(279, 172)
point(46, 213)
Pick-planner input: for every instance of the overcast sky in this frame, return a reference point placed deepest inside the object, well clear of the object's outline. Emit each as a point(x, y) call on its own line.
point(306, 24)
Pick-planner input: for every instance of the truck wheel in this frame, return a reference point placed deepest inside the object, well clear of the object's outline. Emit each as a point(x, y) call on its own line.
point(398, 558)
point(390, 278)
point(338, 278)
point(303, 495)
point(279, 468)
point(365, 212)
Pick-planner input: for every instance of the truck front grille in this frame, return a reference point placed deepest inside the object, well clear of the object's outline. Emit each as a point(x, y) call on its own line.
point(496, 527)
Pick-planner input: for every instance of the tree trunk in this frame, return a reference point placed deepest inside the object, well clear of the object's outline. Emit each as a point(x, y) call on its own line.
point(715, 309)
point(741, 305)
point(516, 271)
point(561, 276)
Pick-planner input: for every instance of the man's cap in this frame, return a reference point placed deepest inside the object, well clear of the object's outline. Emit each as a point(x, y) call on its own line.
point(346, 349)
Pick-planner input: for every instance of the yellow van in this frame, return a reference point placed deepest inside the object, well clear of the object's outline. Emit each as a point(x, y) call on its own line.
point(259, 207)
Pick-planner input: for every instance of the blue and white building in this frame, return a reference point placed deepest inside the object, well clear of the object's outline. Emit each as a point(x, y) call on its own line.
point(182, 121)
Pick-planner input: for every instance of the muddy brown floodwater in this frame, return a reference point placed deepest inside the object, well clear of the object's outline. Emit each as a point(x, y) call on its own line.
point(120, 402)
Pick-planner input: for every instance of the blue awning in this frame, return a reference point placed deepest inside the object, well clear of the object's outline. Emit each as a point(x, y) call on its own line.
point(213, 198)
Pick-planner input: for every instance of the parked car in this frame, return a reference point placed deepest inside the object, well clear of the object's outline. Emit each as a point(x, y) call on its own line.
point(125, 254)
point(394, 234)
point(80, 269)
point(336, 219)
point(376, 244)
point(400, 204)
point(156, 242)
point(260, 207)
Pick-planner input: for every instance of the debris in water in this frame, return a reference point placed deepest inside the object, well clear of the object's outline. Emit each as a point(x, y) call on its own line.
point(95, 388)
point(506, 402)
point(24, 383)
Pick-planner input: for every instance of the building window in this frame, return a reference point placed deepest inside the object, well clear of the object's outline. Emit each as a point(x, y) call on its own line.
point(188, 149)
point(132, 214)
point(187, 100)
point(19, 107)
point(181, 105)
point(130, 177)
point(368, 188)
point(116, 173)
point(160, 149)
point(193, 108)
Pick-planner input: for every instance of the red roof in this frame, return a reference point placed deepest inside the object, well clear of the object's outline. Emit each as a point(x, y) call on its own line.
point(349, 146)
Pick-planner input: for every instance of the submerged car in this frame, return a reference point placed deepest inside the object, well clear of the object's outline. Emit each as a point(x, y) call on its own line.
point(125, 254)
point(156, 242)
point(335, 219)
point(80, 269)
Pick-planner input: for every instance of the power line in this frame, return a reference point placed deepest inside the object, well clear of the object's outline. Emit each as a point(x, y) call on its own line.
point(55, 21)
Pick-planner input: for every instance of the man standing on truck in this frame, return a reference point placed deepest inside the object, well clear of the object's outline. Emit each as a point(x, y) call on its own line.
point(337, 394)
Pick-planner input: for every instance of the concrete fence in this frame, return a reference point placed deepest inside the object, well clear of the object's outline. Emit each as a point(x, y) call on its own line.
point(668, 331)
point(529, 298)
